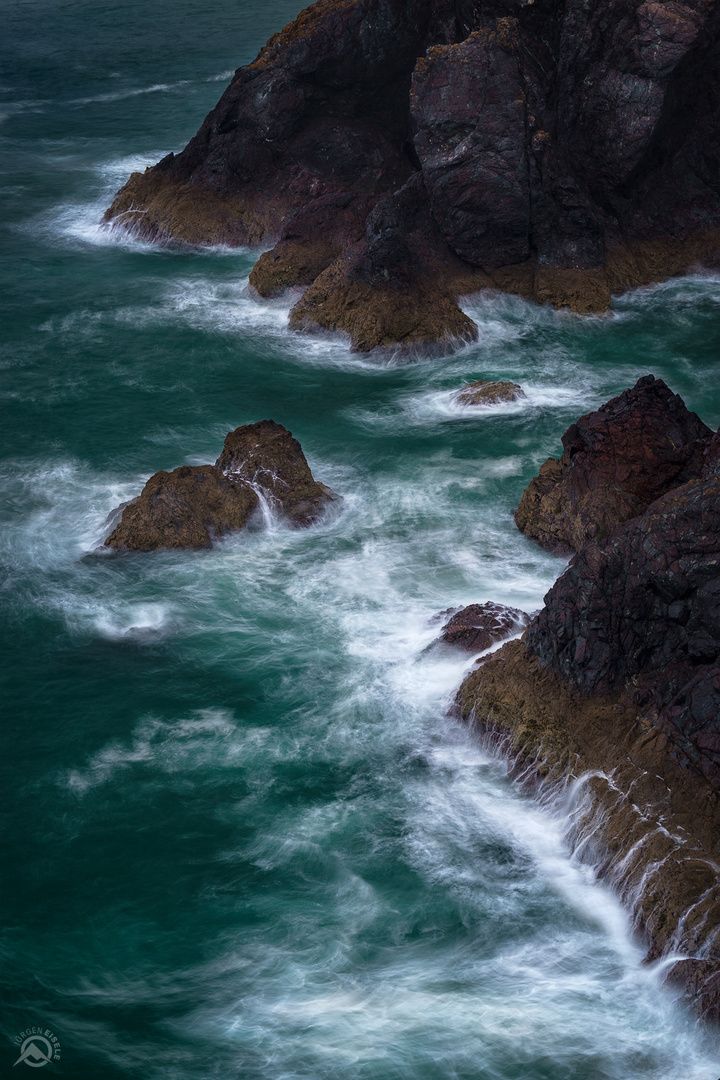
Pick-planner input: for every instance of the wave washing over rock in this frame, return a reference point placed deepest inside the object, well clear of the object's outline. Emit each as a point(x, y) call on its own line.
point(401, 153)
point(615, 685)
point(261, 470)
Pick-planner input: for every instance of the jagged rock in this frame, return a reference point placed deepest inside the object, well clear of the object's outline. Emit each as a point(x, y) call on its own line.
point(615, 462)
point(645, 604)
point(479, 626)
point(196, 504)
point(563, 152)
point(186, 508)
point(489, 393)
point(617, 680)
point(398, 286)
point(266, 456)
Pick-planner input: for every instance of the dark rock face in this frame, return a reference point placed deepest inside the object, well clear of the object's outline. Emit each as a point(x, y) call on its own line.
point(644, 605)
point(266, 456)
point(479, 626)
point(489, 393)
point(615, 462)
point(561, 151)
point(196, 504)
point(186, 508)
point(616, 685)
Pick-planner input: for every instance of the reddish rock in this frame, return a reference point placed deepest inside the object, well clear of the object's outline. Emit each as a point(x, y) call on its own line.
point(479, 626)
point(615, 462)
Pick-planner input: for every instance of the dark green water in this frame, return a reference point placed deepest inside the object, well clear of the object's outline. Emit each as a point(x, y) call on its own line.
point(241, 838)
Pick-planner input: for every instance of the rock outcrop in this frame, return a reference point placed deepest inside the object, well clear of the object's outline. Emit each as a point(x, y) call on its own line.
point(478, 626)
point(489, 393)
point(194, 505)
point(266, 456)
point(614, 690)
point(401, 153)
point(615, 462)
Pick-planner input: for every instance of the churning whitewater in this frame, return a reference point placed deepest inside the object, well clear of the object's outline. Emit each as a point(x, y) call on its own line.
point(244, 838)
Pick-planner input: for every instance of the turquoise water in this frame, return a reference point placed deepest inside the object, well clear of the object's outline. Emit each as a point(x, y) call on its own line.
point(242, 838)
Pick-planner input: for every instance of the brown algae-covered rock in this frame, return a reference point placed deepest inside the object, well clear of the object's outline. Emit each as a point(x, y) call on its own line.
point(649, 824)
point(195, 504)
point(479, 626)
point(186, 508)
point(484, 392)
point(615, 462)
point(268, 457)
point(615, 689)
point(519, 146)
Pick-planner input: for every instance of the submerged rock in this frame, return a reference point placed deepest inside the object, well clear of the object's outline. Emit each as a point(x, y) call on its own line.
point(479, 626)
point(401, 153)
point(489, 393)
point(615, 462)
point(196, 504)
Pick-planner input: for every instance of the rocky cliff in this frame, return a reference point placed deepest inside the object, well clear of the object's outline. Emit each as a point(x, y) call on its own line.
point(396, 154)
point(616, 687)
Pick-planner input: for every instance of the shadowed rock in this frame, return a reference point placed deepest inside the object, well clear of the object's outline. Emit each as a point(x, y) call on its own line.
point(196, 504)
point(401, 153)
point(479, 626)
point(615, 462)
point(489, 393)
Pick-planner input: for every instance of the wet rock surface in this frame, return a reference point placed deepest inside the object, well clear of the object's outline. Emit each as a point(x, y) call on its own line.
point(266, 456)
point(185, 508)
point(642, 610)
point(424, 149)
point(194, 505)
point(489, 393)
point(617, 678)
point(479, 626)
point(615, 462)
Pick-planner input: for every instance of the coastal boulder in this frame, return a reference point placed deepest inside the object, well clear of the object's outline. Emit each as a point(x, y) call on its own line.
point(615, 462)
point(196, 504)
point(266, 456)
point(186, 508)
point(478, 626)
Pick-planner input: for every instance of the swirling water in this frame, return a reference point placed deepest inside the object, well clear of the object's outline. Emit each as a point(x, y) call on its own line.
point(242, 837)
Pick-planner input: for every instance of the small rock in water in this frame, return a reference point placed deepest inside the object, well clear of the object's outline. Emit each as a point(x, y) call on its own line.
point(265, 455)
point(479, 626)
point(195, 504)
point(489, 393)
point(185, 508)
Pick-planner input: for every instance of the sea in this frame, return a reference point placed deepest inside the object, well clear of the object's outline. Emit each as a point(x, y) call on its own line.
point(243, 838)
